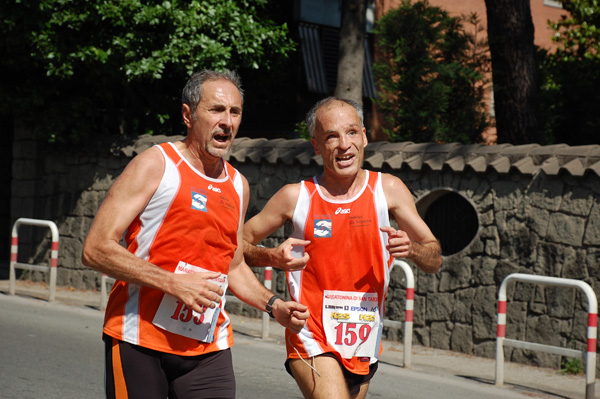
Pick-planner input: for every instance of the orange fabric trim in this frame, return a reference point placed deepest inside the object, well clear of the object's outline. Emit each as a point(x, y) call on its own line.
point(118, 376)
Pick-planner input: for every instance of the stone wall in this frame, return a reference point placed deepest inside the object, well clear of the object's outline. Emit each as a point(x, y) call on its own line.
point(538, 212)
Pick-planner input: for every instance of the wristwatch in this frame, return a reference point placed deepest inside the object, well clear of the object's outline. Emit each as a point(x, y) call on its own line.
point(269, 307)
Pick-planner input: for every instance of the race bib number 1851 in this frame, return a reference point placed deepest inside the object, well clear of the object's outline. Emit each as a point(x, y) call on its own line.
point(172, 315)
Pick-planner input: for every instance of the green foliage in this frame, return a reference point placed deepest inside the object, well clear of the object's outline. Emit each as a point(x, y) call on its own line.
point(579, 33)
point(106, 67)
point(301, 129)
point(571, 366)
point(430, 75)
point(571, 76)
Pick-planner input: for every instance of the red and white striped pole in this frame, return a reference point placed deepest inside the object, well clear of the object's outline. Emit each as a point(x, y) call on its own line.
point(592, 342)
point(14, 251)
point(53, 267)
point(409, 310)
point(500, 335)
point(410, 304)
point(408, 325)
point(501, 328)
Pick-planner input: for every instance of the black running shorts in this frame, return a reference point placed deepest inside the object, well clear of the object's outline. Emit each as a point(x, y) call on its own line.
point(353, 381)
point(136, 372)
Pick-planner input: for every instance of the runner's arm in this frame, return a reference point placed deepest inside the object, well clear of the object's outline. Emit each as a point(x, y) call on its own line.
point(278, 210)
point(413, 239)
point(244, 285)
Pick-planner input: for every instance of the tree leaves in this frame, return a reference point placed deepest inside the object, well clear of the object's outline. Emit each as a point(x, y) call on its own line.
point(571, 76)
point(430, 76)
point(121, 51)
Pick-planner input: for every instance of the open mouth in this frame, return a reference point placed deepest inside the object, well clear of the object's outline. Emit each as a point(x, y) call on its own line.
point(344, 159)
point(222, 137)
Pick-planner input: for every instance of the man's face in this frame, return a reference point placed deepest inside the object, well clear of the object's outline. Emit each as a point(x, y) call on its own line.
point(339, 138)
point(217, 118)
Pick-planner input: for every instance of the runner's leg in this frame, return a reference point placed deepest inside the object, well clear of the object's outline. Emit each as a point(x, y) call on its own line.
point(329, 385)
point(132, 372)
point(207, 376)
point(363, 391)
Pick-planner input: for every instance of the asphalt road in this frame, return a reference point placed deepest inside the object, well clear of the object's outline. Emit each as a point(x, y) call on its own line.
point(49, 350)
point(53, 350)
point(260, 364)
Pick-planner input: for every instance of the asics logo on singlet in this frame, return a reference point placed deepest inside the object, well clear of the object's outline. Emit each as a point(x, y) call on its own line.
point(342, 211)
point(213, 188)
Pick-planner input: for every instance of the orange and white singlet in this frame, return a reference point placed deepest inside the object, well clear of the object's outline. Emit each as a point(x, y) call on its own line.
point(190, 225)
point(346, 279)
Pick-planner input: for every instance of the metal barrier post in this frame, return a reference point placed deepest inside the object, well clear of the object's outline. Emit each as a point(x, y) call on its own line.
point(53, 254)
point(592, 329)
point(408, 320)
point(103, 291)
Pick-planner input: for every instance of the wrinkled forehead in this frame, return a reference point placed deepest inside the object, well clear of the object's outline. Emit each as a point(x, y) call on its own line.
point(219, 89)
point(336, 113)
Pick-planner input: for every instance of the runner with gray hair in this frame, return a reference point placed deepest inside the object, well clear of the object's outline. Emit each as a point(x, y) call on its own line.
point(340, 254)
point(180, 206)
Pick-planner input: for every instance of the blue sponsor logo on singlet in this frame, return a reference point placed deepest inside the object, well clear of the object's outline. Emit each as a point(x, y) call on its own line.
point(322, 228)
point(199, 202)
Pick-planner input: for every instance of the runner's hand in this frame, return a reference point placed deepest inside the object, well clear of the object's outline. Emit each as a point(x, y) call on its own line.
point(290, 255)
point(399, 244)
point(292, 315)
point(196, 290)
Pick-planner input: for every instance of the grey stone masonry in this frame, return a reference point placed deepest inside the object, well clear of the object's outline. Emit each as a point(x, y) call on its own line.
point(537, 210)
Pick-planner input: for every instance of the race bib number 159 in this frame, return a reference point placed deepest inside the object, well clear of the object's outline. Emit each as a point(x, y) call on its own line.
point(351, 322)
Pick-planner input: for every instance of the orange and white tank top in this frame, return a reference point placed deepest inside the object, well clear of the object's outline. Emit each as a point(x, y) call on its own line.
point(346, 279)
point(190, 224)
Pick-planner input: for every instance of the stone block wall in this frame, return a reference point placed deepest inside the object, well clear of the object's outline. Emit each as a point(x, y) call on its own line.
point(66, 188)
point(538, 210)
